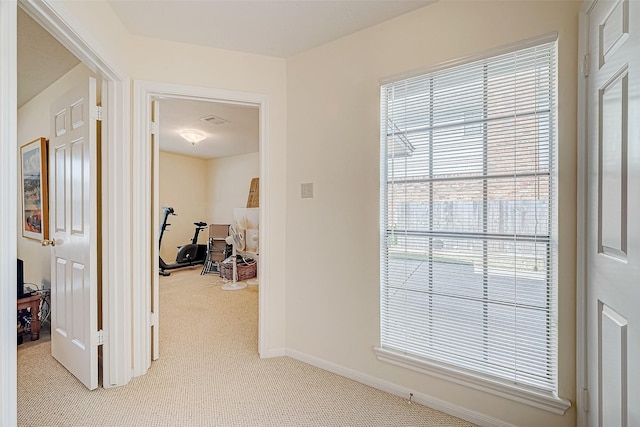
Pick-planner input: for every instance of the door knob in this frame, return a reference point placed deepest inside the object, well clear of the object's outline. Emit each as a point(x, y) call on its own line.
point(48, 242)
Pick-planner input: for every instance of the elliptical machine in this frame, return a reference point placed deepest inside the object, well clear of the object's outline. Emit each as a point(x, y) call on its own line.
point(188, 255)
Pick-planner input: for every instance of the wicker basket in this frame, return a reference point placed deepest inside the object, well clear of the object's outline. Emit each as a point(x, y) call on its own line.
point(245, 270)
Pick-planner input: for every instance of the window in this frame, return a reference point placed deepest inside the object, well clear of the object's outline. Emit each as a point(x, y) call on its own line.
point(468, 282)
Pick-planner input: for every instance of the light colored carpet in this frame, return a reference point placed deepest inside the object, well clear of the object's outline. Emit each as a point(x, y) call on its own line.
point(209, 374)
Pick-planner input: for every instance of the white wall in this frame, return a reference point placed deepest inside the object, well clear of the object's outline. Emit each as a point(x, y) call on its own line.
point(333, 139)
point(202, 190)
point(183, 186)
point(229, 181)
point(33, 122)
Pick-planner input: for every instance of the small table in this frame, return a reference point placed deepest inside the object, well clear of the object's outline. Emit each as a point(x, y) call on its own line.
point(32, 302)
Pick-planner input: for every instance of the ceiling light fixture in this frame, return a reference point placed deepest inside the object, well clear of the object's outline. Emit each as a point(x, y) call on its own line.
point(192, 135)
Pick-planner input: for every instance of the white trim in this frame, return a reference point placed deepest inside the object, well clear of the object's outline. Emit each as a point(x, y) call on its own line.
point(273, 352)
point(116, 200)
point(9, 211)
point(540, 400)
point(265, 186)
point(392, 388)
point(581, 226)
point(142, 234)
point(143, 93)
point(155, 263)
point(116, 220)
point(511, 47)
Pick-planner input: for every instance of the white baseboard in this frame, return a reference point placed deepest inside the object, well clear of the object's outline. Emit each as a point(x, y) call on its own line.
point(389, 387)
point(273, 352)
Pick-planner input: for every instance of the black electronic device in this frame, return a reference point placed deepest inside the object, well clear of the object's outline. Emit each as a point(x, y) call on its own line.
point(20, 282)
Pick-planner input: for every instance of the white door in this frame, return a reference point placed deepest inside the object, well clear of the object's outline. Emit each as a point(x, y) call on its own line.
point(73, 228)
point(613, 214)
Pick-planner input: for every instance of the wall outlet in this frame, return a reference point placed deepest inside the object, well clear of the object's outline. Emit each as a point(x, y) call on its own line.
point(306, 190)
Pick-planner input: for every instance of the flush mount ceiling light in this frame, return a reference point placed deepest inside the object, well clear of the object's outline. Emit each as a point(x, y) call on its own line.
point(192, 135)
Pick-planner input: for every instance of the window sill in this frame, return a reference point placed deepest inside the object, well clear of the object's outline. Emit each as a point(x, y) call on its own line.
point(541, 400)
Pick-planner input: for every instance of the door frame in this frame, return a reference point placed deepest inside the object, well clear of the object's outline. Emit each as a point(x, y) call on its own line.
point(8, 217)
point(582, 385)
point(115, 192)
point(145, 192)
point(116, 204)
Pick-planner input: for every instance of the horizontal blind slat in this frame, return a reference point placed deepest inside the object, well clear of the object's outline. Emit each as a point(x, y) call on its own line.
point(468, 216)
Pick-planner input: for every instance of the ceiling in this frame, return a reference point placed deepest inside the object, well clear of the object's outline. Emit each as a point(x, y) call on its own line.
point(265, 27)
point(41, 59)
point(230, 130)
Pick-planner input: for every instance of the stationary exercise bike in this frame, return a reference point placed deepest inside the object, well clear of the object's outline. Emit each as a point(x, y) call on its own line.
point(188, 255)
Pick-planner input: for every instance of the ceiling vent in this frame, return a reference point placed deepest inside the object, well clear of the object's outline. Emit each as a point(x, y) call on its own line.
point(215, 120)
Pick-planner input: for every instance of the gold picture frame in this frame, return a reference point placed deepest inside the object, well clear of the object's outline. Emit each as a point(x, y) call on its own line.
point(34, 183)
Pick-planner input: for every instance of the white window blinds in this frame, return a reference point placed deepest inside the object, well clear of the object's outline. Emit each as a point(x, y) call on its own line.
point(468, 218)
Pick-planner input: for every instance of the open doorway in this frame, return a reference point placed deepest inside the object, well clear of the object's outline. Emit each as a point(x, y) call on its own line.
point(208, 157)
point(148, 98)
point(114, 84)
point(54, 89)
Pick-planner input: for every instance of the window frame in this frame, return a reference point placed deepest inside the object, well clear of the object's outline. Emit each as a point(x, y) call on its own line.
point(549, 401)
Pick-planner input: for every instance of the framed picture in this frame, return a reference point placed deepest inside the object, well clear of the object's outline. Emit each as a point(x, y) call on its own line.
point(35, 199)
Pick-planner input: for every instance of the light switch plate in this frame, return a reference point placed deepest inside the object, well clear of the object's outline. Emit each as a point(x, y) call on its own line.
point(306, 190)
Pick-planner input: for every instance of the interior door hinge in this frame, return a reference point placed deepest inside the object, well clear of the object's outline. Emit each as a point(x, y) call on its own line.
point(154, 128)
point(586, 63)
point(100, 337)
point(96, 113)
point(153, 319)
point(585, 399)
